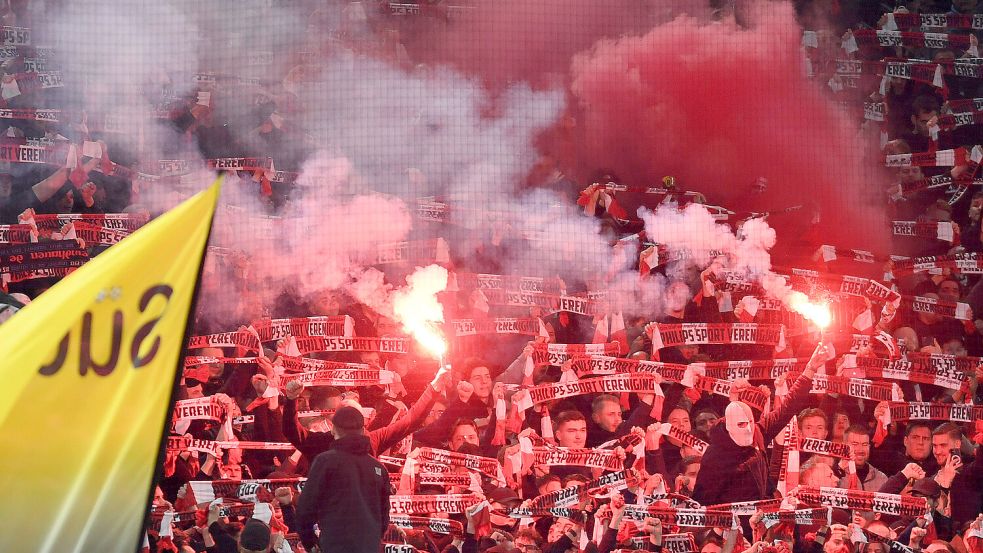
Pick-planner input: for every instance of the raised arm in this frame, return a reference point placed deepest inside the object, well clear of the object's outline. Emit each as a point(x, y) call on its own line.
point(459, 407)
point(773, 423)
point(292, 391)
point(387, 436)
point(47, 188)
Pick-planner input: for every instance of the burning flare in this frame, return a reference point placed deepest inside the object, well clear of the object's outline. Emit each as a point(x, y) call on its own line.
point(417, 308)
point(431, 339)
point(818, 313)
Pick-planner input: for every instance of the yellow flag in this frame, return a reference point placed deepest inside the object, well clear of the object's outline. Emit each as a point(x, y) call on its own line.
point(86, 373)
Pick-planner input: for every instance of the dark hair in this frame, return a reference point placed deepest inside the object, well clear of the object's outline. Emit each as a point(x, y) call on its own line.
point(925, 287)
point(462, 422)
point(320, 396)
point(600, 400)
point(468, 448)
point(530, 533)
point(949, 429)
point(685, 462)
point(926, 103)
point(605, 172)
point(950, 279)
point(708, 536)
point(954, 339)
point(707, 411)
point(680, 408)
point(857, 429)
point(546, 479)
point(916, 424)
point(810, 413)
point(568, 416)
point(472, 363)
point(575, 477)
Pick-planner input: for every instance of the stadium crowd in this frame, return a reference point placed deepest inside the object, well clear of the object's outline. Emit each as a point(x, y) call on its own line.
point(728, 423)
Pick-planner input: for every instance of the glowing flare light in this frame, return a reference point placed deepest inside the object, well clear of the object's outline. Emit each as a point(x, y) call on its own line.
point(818, 313)
point(417, 308)
point(430, 339)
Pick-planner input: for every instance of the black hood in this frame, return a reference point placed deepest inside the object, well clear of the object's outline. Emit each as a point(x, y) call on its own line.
point(356, 444)
point(721, 438)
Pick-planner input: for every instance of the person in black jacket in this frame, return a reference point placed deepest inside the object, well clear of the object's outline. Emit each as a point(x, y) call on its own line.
point(347, 492)
point(736, 457)
point(605, 423)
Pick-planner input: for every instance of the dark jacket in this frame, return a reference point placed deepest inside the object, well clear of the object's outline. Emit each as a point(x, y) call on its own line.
point(639, 417)
point(735, 473)
point(967, 490)
point(224, 542)
point(893, 461)
point(436, 433)
point(347, 495)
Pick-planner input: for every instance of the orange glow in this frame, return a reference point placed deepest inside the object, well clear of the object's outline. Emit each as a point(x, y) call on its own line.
point(431, 339)
point(417, 308)
point(818, 313)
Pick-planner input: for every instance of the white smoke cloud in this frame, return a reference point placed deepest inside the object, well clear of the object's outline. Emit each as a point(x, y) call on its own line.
point(387, 137)
point(694, 232)
point(382, 136)
point(467, 144)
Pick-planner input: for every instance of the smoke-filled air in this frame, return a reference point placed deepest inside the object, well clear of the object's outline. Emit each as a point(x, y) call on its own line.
point(713, 263)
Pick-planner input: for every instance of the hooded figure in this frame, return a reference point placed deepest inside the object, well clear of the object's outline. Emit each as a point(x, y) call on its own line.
point(739, 421)
point(347, 492)
point(736, 456)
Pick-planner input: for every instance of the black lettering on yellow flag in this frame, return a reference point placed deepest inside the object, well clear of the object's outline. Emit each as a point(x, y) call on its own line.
point(88, 370)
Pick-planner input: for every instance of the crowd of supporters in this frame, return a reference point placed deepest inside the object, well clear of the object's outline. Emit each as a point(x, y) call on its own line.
point(764, 433)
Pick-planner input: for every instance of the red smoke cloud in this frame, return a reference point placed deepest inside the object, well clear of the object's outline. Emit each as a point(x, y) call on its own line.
point(510, 40)
point(719, 105)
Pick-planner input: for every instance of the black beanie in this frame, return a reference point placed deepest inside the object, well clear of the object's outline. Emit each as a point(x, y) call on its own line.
point(255, 535)
point(348, 418)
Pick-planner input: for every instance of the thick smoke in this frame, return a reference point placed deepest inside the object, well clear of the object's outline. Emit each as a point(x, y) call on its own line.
point(465, 143)
point(720, 105)
point(462, 116)
point(123, 60)
point(324, 240)
point(112, 50)
point(514, 40)
point(387, 136)
point(693, 230)
point(703, 242)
